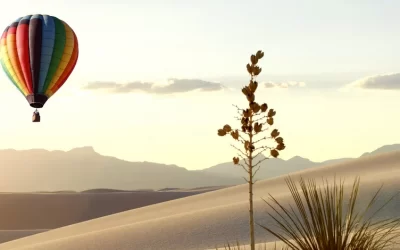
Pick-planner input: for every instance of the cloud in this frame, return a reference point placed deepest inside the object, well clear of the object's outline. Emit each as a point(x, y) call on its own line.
point(385, 81)
point(174, 86)
point(284, 85)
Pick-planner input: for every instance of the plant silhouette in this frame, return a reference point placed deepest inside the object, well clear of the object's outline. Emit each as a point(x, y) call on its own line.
point(321, 219)
point(255, 121)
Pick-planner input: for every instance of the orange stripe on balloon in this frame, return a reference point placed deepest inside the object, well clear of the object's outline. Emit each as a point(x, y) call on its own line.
point(13, 55)
point(7, 63)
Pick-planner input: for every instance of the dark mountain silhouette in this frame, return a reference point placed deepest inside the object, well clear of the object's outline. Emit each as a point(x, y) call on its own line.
point(84, 169)
point(383, 149)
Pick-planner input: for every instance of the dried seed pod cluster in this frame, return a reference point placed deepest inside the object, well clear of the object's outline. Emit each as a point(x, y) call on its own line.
point(249, 126)
point(235, 134)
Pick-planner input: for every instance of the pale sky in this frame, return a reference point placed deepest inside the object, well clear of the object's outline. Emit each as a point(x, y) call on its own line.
point(344, 53)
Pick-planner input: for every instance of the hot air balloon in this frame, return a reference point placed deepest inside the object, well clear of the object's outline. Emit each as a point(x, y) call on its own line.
point(38, 53)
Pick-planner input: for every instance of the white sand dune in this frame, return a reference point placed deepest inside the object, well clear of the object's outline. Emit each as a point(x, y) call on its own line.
point(30, 211)
point(205, 220)
point(9, 235)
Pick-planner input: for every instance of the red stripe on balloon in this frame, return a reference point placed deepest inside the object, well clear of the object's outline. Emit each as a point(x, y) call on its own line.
point(22, 40)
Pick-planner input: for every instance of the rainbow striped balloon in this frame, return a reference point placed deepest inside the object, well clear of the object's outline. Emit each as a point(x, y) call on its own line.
point(38, 53)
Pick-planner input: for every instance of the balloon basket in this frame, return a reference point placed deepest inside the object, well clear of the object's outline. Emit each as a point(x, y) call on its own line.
point(36, 116)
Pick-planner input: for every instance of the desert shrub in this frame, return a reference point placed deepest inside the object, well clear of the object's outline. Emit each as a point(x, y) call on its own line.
point(322, 220)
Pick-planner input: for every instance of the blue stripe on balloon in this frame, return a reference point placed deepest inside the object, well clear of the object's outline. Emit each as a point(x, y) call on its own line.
point(18, 19)
point(48, 38)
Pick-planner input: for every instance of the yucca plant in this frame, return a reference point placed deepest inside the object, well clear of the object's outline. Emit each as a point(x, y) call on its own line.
point(254, 121)
point(321, 220)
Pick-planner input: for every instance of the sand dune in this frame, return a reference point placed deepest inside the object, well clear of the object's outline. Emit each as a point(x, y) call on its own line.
point(28, 211)
point(9, 235)
point(205, 220)
point(21, 214)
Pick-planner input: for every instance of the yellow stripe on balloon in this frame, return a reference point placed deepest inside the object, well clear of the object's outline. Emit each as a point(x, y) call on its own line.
point(7, 63)
point(9, 67)
point(13, 58)
point(69, 47)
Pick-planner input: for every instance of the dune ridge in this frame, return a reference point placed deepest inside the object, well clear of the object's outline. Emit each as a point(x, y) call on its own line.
point(30, 211)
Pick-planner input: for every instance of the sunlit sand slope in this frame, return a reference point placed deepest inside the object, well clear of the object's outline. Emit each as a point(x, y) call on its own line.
point(206, 220)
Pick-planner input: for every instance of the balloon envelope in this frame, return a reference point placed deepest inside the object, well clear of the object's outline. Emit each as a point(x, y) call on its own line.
point(38, 53)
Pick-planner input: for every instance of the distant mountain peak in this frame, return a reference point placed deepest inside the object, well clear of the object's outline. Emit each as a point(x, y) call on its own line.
point(383, 149)
point(83, 150)
point(297, 158)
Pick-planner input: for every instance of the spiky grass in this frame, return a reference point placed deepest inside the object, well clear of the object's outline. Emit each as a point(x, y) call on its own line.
point(322, 221)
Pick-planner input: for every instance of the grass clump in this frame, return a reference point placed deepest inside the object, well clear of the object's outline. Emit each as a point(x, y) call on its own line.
point(321, 220)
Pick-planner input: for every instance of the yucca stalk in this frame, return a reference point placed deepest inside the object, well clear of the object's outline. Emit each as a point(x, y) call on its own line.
point(321, 220)
point(254, 121)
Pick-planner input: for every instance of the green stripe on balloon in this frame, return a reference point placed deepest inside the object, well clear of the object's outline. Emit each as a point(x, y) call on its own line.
point(58, 51)
point(9, 77)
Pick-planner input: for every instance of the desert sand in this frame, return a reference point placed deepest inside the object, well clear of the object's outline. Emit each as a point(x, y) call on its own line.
point(30, 211)
point(24, 214)
point(207, 220)
point(9, 235)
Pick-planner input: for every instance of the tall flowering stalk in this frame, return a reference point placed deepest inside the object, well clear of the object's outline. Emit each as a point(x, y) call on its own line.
point(255, 121)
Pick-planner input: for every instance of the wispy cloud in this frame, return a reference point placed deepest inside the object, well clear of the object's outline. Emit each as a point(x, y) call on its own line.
point(384, 81)
point(174, 86)
point(284, 85)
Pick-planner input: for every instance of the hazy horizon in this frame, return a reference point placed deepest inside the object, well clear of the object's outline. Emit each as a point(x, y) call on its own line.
point(330, 71)
point(85, 150)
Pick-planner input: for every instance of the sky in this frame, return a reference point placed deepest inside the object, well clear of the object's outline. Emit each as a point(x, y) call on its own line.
point(155, 80)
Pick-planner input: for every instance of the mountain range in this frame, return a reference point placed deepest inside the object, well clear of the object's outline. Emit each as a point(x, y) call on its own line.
point(83, 168)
